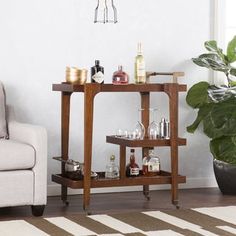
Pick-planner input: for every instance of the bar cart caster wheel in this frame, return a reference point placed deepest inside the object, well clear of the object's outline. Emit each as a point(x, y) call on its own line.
point(87, 211)
point(148, 198)
point(146, 194)
point(66, 203)
point(176, 204)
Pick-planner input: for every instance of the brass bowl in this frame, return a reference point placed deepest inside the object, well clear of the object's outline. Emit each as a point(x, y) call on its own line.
point(75, 75)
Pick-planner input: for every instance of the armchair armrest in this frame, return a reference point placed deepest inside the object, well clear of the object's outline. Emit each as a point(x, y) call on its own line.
point(35, 136)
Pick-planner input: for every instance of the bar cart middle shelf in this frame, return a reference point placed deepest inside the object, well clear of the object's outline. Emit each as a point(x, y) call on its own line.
point(90, 90)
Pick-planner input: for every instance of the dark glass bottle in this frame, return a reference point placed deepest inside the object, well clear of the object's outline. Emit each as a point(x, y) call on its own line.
point(132, 169)
point(97, 73)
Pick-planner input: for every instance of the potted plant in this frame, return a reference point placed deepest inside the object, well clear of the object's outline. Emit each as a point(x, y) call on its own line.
point(217, 112)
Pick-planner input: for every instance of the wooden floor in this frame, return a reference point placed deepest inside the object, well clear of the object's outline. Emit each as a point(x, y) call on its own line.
point(123, 202)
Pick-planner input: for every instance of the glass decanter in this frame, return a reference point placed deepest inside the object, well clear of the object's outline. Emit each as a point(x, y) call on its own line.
point(151, 164)
point(153, 128)
point(139, 130)
point(112, 170)
point(120, 77)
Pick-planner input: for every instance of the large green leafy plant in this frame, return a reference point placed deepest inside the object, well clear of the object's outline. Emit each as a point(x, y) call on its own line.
point(217, 105)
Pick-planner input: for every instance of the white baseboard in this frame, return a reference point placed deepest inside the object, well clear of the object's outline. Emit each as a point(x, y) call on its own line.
point(55, 189)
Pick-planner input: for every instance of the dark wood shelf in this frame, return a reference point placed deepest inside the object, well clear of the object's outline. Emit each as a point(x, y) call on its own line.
point(142, 143)
point(163, 178)
point(148, 87)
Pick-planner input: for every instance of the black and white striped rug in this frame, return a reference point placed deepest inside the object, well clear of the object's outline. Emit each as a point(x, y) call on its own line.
point(199, 221)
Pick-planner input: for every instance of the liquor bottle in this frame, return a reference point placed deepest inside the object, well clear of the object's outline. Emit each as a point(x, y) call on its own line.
point(97, 73)
point(140, 71)
point(112, 170)
point(132, 169)
point(151, 164)
point(120, 77)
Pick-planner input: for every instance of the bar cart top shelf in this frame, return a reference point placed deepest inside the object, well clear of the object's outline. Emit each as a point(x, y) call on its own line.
point(148, 87)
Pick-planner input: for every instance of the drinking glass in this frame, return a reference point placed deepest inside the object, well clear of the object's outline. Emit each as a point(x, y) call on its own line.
point(153, 128)
point(119, 133)
point(139, 130)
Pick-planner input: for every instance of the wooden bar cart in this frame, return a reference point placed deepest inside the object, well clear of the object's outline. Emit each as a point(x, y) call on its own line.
point(90, 90)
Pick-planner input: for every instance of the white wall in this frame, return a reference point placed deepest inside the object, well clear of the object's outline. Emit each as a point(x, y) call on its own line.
point(40, 38)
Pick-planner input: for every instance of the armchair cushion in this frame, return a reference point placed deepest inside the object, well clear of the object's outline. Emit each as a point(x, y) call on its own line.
point(3, 122)
point(15, 155)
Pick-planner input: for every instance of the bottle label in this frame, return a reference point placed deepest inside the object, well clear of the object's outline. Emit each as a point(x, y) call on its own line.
point(141, 69)
point(134, 171)
point(155, 167)
point(98, 77)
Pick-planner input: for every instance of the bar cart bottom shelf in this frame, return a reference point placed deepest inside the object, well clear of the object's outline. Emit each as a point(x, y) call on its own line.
point(163, 178)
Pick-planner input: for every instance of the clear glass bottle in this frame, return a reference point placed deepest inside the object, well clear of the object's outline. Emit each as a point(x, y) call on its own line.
point(100, 12)
point(140, 71)
point(164, 129)
point(139, 129)
point(153, 128)
point(105, 12)
point(132, 169)
point(97, 73)
point(151, 164)
point(120, 77)
point(112, 170)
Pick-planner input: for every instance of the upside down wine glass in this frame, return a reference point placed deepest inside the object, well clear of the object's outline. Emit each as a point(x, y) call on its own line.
point(139, 130)
point(153, 128)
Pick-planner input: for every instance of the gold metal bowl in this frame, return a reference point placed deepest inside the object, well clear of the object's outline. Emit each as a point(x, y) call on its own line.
point(75, 75)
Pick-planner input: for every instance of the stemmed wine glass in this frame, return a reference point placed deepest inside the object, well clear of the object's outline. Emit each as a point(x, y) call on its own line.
point(153, 128)
point(139, 130)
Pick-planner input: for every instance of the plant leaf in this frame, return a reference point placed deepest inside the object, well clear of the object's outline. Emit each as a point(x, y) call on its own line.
point(217, 65)
point(197, 94)
point(210, 55)
point(201, 62)
point(211, 46)
point(221, 120)
point(224, 149)
point(233, 71)
point(231, 50)
point(202, 113)
point(211, 60)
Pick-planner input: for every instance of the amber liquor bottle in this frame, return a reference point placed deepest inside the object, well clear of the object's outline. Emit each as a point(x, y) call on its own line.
point(132, 169)
point(151, 164)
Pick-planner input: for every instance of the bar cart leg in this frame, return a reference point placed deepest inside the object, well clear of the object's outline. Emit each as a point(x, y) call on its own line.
point(145, 103)
point(174, 170)
point(90, 90)
point(146, 191)
point(122, 161)
point(172, 91)
point(65, 123)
